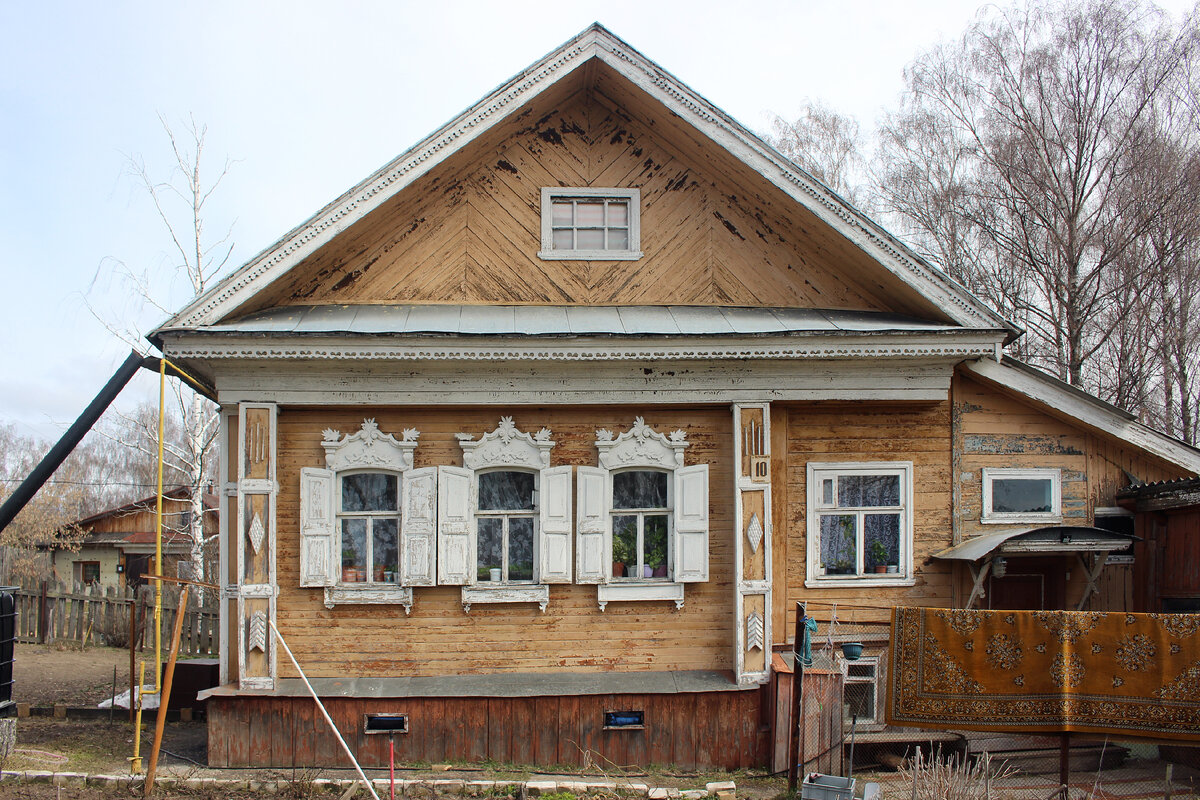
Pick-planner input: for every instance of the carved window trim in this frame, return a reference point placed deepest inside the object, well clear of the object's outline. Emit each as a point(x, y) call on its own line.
point(630, 197)
point(641, 448)
point(507, 449)
point(367, 450)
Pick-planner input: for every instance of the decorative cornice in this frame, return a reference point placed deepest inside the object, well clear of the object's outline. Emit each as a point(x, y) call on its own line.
point(507, 447)
point(696, 350)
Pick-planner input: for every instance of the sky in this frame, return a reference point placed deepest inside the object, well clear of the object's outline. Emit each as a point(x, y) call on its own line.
point(304, 100)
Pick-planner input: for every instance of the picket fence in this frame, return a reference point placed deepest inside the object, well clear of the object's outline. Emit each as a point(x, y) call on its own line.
point(49, 613)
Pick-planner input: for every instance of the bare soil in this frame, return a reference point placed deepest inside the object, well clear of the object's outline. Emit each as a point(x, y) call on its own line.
point(44, 675)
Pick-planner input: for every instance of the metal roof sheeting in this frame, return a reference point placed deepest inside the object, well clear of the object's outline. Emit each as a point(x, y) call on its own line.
point(465, 320)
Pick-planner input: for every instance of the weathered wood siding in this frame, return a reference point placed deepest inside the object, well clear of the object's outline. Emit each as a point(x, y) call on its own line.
point(439, 638)
point(861, 432)
point(713, 232)
point(998, 430)
point(688, 731)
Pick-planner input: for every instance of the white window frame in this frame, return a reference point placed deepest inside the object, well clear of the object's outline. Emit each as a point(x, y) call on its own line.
point(640, 513)
point(1054, 475)
point(633, 196)
point(848, 680)
point(340, 515)
point(534, 512)
point(818, 471)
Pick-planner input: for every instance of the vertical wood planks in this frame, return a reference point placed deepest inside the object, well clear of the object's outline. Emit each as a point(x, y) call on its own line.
point(255, 525)
point(753, 536)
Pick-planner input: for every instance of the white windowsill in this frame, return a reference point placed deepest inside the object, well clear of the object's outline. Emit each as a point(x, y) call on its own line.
point(1011, 519)
point(856, 581)
point(379, 594)
point(589, 255)
point(639, 591)
point(536, 593)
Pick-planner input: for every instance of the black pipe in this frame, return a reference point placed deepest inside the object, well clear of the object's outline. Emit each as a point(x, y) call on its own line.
point(58, 454)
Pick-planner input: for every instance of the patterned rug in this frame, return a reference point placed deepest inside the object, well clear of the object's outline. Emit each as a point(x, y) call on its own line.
point(1042, 671)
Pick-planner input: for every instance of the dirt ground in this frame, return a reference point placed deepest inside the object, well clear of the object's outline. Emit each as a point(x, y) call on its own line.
point(47, 674)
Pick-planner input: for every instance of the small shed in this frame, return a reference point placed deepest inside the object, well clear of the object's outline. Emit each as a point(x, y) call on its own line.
point(1167, 519)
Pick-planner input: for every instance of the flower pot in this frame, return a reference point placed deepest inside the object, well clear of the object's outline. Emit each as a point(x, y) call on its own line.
point(494, 574)
point(631, 571)
point(660, 572)
point(880, 569)
point(618, 569)
point(389, 576)
point(893, 569)
point(379, 571)
point(852, 651)
point(647, 571)
point(349, 575)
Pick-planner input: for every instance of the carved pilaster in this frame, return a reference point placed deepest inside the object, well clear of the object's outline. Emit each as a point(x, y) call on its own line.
point(752, 559)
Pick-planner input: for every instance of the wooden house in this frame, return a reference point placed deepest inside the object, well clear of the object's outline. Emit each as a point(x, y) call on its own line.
point(118, 545)
point(536, 436)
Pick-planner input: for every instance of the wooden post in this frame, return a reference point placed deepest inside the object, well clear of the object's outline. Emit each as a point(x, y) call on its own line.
point(43, 622)
point(164, 696)
point(132, 643)
point(1064, 764)
point(795, 719)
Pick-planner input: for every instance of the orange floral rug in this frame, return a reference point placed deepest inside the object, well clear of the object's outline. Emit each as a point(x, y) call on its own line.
point(1094, 672)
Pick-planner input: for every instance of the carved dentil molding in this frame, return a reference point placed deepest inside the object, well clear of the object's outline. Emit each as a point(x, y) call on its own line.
point(369, 448)
point(506, 447)
point(641, 446)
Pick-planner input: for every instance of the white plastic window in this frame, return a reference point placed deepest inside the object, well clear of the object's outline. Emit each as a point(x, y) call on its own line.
point(1022, 495)
point(859, 522)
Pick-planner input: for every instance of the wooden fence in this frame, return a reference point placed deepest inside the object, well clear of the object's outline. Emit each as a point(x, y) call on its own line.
point(91, 615)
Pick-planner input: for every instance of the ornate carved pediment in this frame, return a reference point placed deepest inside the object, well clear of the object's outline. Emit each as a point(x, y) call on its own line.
point(507, 447)
point(641, 446)
point(369, 448)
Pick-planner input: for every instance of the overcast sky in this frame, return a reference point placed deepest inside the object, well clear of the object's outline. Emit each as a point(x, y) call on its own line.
point(307, 99)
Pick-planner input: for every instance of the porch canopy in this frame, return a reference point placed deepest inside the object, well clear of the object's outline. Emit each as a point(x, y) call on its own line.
point(985, 555)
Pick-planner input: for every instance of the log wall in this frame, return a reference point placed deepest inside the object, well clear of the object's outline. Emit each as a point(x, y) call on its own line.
point(687, 730)
point(439, 638)
point(848, 432)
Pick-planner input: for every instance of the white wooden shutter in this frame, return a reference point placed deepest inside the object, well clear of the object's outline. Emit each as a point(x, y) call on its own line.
point(554, 507)
point(593, 537)
point(418, 527)
point(456, 529)
point(691, 524)
point(318, 528)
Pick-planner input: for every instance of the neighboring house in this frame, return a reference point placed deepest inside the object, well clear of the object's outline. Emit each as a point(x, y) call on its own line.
point(118, 545)
point(537, 436)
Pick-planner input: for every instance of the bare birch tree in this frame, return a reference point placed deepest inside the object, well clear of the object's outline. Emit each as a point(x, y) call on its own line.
point(180, 202)
point(825, 143)
point(1038, 116)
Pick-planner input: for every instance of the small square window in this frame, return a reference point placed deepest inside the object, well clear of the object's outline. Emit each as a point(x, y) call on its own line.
point(590, 224)
point(1022, 495)
point(861, 694)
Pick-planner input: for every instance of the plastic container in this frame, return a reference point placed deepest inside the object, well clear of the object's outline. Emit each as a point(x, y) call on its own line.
point(826, 787)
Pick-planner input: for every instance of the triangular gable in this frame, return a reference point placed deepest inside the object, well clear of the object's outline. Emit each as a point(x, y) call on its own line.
point(595, 42)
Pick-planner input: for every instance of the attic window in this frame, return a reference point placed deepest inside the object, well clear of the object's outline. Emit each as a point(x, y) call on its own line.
point(588, 224)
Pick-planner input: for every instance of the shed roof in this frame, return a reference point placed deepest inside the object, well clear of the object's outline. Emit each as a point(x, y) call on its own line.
point(1051, 540)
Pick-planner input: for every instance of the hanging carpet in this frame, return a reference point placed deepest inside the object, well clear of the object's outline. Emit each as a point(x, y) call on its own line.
point(1040, 671)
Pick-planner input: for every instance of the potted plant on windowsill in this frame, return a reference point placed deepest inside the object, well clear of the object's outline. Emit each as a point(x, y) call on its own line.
point(620, 555)
point(878, 555)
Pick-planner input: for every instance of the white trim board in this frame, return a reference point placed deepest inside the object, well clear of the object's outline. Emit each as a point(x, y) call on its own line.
point(594, 42)
point(1089, 411)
